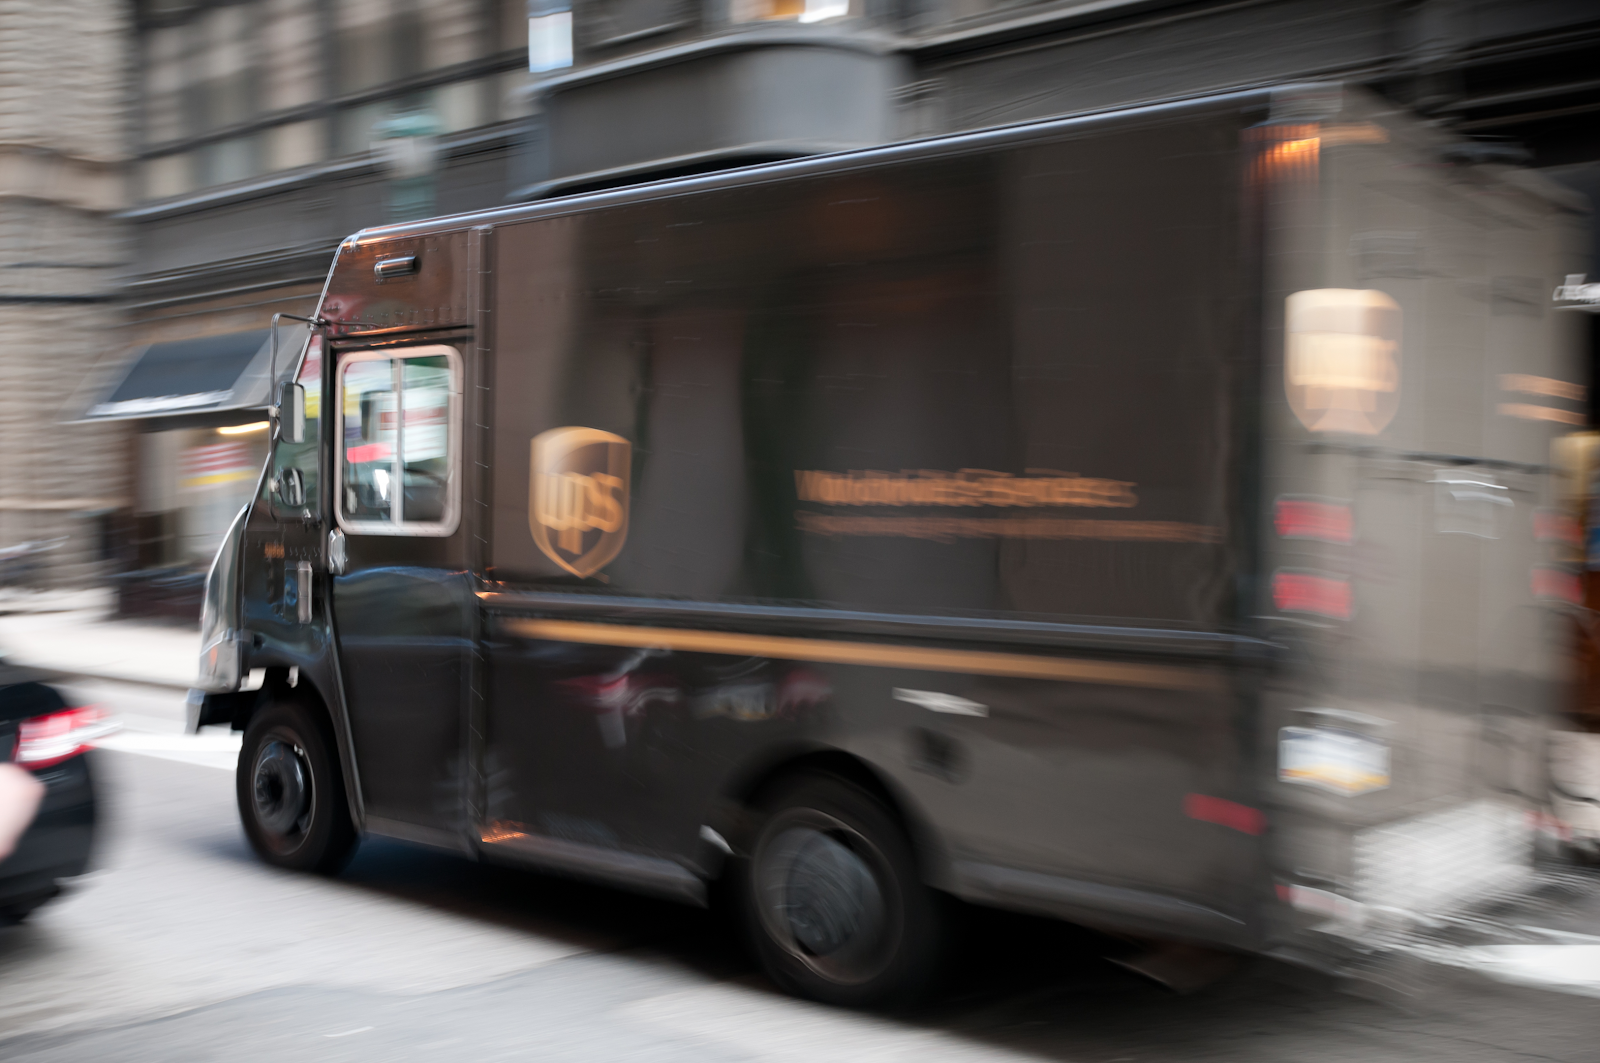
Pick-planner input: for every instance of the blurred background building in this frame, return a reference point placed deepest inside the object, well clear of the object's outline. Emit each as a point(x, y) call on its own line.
point(63, 126)
point(264, 131)
point(658, 85)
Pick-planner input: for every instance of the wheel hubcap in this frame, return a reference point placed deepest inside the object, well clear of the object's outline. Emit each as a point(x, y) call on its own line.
point(822, 897)
point(282, 787)
point(830, 895)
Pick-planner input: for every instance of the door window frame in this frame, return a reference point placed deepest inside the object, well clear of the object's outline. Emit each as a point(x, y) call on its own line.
point(452, 504)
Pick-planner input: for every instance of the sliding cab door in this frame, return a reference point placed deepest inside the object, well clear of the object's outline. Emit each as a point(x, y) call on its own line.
point(403, 606)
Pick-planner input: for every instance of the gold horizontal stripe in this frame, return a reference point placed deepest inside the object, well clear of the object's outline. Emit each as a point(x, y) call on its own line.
point(65, 504)
point(212, 479)
point(1542, 385)
point(828, 651)
point(948, 529)
point(1529, 412)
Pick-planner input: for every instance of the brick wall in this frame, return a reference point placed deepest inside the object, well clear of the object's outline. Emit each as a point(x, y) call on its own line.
point(63, 133)
point(63, 75)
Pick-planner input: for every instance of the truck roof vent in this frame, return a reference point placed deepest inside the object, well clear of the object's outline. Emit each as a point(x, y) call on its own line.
point(387, 269)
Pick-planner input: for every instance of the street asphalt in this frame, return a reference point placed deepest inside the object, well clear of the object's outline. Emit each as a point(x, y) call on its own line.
point(182, 947)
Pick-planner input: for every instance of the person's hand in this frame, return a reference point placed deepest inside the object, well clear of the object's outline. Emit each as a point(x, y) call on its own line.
point(20, 794)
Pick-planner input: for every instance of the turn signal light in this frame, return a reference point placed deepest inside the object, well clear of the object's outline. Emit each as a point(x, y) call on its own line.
point(46, 740)
point(1553, 584)
point(1304, 518)
point(1303, 592)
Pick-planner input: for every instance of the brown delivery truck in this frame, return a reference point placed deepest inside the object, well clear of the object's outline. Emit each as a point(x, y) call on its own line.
point(1136, 518)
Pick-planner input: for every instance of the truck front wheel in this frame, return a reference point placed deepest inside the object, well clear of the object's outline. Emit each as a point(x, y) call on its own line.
point(833, 900)
point(291, 793)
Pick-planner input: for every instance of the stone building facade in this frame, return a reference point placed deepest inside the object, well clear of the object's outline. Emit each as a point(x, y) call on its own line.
point(63, 135)
point(658, 86)
point(265, 131)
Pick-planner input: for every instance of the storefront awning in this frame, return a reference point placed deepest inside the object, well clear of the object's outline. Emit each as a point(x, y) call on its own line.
point(210, 375)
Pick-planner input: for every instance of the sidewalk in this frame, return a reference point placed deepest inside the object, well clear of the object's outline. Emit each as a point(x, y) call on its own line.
point(73, 634)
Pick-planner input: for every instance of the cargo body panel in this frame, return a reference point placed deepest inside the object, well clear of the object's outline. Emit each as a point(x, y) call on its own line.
point(1131, 501)
point(1415, 567)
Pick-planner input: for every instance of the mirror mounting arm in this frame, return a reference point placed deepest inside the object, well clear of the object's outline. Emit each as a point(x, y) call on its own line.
point(288, 420)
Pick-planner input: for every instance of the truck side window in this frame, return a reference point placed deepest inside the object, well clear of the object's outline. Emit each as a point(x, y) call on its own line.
point(398, 449)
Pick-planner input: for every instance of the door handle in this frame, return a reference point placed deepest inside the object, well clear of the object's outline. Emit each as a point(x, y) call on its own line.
point(297, 591)
point(338, 558)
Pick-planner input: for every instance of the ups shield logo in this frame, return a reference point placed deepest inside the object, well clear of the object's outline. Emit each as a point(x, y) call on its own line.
point(578, 497)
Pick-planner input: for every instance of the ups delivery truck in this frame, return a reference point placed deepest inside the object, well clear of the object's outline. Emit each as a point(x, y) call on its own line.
point(1141, 518)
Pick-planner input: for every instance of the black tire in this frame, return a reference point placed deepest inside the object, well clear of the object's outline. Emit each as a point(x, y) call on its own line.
point(832, 898)
point(291, 791)
point(14, 914)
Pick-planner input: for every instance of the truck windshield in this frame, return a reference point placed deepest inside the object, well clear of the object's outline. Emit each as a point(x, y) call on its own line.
point(293, 486)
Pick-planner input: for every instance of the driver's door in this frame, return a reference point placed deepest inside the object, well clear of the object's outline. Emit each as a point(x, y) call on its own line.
point(402, 608)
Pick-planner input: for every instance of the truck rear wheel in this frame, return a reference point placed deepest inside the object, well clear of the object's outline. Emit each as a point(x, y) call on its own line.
point(833, 900)
point(291, 792)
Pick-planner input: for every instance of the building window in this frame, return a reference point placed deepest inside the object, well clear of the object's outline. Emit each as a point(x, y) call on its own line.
point(550, 39)
point(294, 145)
point(606, 23)
point(167, 175)
point(164, 55)
point(292, 64)
point(236, 86)
point(356, 127)
point(511, 34)
point(457, 106)
point(378, 41)
point(511, 96)
point(452, 33)
point(223, 87)
point(234, 159)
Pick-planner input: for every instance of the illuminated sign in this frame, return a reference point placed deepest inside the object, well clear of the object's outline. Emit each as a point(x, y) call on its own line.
point(1340, 762)
point(1342, 359)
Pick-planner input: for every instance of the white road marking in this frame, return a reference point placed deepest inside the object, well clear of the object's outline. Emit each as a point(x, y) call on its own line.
point(211, 750)
point(347, 1033)
point(1565, 968)
point(1560, 935)
point(781, 1030)
point(133, 721)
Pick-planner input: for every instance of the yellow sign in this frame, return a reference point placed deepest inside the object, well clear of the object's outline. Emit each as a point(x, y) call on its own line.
point(1342, 359)
point(578, 497)
point(1340, 762)
point(969, 487)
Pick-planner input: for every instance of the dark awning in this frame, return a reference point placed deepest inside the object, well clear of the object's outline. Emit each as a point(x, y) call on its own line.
point(209, 375)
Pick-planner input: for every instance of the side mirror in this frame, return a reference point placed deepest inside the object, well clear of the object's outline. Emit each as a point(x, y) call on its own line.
point(291, 413)
point(291, 488)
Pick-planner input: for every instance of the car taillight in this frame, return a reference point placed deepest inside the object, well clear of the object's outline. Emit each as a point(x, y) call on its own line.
point(46, 740)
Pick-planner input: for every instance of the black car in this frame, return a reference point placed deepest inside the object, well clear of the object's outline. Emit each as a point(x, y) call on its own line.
point(41, 732)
